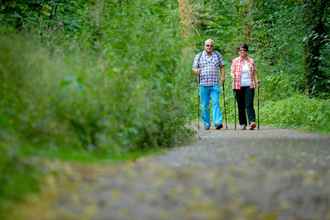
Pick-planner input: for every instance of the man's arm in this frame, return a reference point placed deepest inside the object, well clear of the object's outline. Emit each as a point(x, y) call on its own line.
point(195, 68)
point(222, 68)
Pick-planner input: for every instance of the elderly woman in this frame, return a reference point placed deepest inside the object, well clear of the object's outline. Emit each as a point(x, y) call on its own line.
point(243, 72)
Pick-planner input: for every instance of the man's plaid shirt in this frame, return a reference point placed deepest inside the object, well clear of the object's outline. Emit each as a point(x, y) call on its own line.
point(209, 66)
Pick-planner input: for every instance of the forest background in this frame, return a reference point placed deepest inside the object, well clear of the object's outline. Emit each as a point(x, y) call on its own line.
point(107, 79)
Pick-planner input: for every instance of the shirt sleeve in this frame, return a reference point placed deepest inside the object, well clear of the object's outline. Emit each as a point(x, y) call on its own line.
point(195, 63)
point(232, 70)
point(221, 62)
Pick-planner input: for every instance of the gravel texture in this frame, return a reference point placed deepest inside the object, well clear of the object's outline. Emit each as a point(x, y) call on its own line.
point(268, 174)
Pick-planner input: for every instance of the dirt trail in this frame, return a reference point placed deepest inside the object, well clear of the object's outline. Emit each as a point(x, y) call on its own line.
point(267, 174)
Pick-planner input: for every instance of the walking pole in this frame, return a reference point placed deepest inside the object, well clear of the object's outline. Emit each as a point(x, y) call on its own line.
point(235, 107)
point(258, 109)
point(198, 108)
point(224, 103)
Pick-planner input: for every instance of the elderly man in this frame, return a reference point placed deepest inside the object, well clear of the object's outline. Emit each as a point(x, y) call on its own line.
point(209, 67)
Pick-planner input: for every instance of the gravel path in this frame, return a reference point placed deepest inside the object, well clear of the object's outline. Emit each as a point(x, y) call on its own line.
point(271, 174)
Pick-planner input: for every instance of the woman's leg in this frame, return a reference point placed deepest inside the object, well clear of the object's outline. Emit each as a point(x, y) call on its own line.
point(241, 106)
point(249, 98)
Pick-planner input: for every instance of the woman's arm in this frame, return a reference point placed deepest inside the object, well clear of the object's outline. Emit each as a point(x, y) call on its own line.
point(256, 80)
point(232, 69)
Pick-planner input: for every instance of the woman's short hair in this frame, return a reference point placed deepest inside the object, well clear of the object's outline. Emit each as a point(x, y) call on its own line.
point(244, 46)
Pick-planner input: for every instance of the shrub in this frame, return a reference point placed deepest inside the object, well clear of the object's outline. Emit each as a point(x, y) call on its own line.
point(298, 111)
point(127, 93)
point(105, 78)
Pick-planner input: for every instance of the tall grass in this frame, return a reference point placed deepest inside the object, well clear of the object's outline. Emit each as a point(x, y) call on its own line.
point(124, 94)
point(120, 84)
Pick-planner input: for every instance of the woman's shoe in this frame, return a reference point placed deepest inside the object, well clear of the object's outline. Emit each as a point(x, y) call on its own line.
point(242, 127)
point(252, 126)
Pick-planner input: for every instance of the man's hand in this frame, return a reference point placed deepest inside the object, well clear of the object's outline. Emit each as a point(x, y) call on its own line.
point(222, 81)
point(197, 71)
point(258, 82)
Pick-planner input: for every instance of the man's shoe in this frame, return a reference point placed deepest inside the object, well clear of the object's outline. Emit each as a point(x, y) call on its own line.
point(218, 127)
point(242, 127)
point(252, 126)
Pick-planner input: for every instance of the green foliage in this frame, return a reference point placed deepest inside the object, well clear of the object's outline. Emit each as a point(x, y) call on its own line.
point(127, 99)
point(298, 112)
point(280, 46)
point(29, 87)
point(18, 177)
point(221, 21)
point(316, 41)
point(44, 16)
point(279, 86)
point(98, 78)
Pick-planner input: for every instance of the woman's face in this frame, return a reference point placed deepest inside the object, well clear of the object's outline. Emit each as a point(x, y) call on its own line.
point(243, 52)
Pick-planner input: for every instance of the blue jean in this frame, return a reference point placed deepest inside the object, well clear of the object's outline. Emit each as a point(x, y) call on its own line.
point(213, 92)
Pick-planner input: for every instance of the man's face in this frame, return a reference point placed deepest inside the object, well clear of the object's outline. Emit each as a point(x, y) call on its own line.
point(208, 47)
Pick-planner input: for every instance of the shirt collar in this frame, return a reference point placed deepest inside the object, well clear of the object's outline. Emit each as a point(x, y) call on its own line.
point(205, 53)
point(247, 59)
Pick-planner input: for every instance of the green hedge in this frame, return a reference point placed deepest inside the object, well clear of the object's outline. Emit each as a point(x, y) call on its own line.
point(298, 111)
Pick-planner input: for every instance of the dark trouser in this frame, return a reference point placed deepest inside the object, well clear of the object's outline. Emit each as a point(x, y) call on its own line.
point(244, 98)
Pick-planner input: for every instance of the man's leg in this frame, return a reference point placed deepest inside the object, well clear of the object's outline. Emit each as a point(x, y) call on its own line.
point(205, 100)
point(216, 111)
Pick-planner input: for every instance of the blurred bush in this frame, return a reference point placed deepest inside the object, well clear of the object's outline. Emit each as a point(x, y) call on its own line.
point(116, 81)
point(128, 92)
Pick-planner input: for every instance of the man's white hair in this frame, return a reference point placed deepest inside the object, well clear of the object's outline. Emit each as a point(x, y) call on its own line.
point(209, 41)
